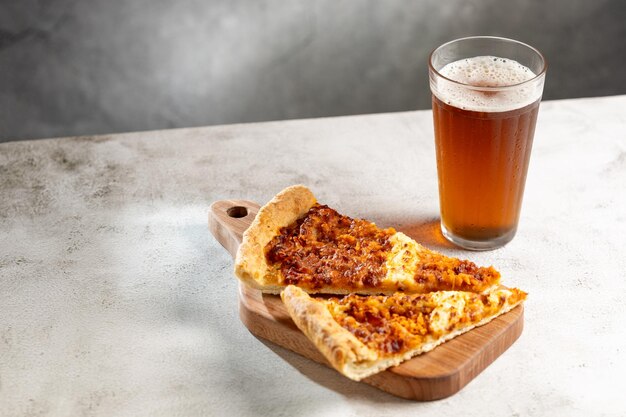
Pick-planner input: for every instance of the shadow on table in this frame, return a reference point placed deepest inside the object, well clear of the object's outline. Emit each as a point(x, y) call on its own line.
point(428, 233)
point(331, 379)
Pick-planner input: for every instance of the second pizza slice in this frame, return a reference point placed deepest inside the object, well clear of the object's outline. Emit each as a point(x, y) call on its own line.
point(363, 335)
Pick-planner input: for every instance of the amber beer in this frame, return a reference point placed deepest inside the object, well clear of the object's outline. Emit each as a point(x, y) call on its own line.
point(484, 111)
point(482, 159)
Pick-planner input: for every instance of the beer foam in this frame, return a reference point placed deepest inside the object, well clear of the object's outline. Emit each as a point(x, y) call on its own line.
point(487, 71)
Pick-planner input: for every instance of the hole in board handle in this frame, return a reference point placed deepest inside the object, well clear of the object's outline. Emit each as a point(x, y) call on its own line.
point(237, 212)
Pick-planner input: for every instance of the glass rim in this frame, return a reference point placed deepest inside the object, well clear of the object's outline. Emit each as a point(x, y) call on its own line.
point(544, 64)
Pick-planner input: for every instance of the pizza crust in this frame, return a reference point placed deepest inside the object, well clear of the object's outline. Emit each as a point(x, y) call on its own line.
point(356, 360)
point(285, 208)
point(345, 352)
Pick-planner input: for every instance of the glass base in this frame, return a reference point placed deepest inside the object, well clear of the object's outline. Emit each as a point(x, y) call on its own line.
point(478, 245)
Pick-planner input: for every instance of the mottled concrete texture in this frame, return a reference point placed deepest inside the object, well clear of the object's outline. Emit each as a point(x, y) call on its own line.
point(71, 67)
point(116, 301)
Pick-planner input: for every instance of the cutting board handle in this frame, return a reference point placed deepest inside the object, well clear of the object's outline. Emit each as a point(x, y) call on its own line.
point(228, 219)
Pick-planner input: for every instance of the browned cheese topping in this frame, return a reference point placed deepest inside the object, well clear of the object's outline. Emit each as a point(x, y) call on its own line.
point(325, 247)
point(387, 324)
point(438, 272)
point(398, 323)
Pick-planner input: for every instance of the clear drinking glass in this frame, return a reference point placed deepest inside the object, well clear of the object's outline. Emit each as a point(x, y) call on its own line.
point(485, 94)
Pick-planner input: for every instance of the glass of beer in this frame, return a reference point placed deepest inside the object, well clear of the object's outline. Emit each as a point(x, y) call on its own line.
point(485, 93)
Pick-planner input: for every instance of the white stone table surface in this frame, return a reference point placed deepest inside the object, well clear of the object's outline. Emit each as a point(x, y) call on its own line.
point(116, 301)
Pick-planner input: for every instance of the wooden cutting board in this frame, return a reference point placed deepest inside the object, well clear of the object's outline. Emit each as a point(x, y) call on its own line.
point(431, 376)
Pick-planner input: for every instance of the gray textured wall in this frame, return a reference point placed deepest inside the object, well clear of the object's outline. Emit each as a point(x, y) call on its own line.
point(71, 67)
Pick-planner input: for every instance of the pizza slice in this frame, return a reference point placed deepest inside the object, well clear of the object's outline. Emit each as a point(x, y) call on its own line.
point(363, 335)
point(295, 240)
